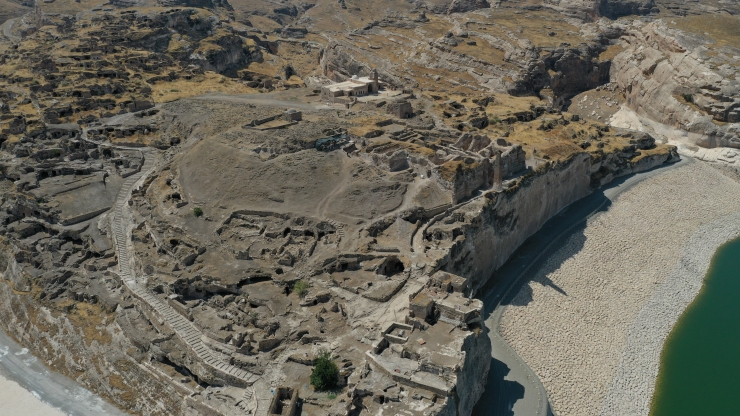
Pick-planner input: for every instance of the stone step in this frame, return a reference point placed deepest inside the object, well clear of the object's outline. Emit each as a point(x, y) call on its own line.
point(190, 334)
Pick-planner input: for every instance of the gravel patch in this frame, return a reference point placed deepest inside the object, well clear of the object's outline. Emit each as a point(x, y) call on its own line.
point(633, 386)
point(592, 321)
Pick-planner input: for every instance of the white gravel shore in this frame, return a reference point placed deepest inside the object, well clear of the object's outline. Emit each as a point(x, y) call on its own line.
point(17, 401)
point(592, 322)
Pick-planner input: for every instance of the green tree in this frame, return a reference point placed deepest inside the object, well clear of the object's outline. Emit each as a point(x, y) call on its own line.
point(197, 211)
point(325, 373)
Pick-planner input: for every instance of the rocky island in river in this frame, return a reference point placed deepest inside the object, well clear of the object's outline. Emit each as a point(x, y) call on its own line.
point(274, 207)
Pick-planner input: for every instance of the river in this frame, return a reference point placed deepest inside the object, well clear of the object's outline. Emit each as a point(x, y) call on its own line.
point(700, 361)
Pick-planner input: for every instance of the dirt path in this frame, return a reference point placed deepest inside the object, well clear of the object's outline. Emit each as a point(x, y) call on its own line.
point(262, 99)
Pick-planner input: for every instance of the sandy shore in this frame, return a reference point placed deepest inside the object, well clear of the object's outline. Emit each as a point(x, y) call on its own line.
point(15, 400)
point(27, 387)
point(592, 322)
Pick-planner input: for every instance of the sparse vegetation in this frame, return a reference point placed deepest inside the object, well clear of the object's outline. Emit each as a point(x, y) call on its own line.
point(198, 212)
point(688, 98)
point(300, 288)
point(325, 373)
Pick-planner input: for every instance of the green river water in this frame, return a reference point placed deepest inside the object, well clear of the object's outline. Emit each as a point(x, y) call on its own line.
point(700, 364)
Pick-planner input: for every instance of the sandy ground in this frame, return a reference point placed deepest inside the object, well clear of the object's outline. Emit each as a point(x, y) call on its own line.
point(15, 400)
point(572, 323)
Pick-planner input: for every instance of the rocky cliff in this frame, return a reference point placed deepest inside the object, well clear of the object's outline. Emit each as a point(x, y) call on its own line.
point(591, 10)
point(82, 340)
point(671, 77)
point(477, 238)
point(486, 232)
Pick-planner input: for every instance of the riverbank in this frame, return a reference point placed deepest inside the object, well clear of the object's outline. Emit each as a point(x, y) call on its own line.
point(15, 400)
point(27, 387)
point(572, 322)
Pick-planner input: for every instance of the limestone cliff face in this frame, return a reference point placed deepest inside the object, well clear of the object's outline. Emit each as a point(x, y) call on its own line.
point(471, 382)
point(487, 231)
point(666, 76)
point(477, 238)
point(223, 53)
point(566, 71)
point(460, 6)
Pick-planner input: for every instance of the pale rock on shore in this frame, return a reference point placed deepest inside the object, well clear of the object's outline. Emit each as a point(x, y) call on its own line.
point(15, 400)
point(632, 389)
point(572, 323)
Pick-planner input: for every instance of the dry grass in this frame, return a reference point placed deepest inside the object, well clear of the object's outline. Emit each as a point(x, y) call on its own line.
point(658, 150)
point(70, 6)
point(721, 29)
point(534, 25)
point(163, 92)
point(118, 383)
point(88, 317)
point(449, 170)
point(611, 52)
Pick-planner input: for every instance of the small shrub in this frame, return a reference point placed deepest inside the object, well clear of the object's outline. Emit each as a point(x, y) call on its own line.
point(688, 98)
point(331, 396)
point(300, 288)
point(197, 211)
point(325, 373)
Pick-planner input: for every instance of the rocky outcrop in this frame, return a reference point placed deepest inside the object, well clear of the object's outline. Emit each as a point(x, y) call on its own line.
point(472, 378)
point(591, 10)
point(566, 71)
point(226, 52)
point(670, 77)
point(479, 237)
point(461, 6)
point(83, 341)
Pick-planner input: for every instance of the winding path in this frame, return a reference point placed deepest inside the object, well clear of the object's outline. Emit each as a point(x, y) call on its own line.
point(512, 387)
point(185, 330)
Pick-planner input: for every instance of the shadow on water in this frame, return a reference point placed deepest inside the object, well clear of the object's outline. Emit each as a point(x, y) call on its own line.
point(500, 394)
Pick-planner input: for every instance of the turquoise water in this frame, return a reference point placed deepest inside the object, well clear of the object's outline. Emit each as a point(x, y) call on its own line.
point(700, 365)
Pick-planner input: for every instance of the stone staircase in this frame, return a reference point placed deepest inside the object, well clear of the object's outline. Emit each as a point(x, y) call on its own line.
point(248, 402)
point(184, 329)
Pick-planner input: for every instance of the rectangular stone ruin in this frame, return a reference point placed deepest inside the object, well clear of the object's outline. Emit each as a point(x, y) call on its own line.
point(284, 402)
point(293, 115)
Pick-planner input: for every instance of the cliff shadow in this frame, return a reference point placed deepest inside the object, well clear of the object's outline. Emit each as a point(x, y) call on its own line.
point(521, 293)
point(500, 394)
point(540, 254)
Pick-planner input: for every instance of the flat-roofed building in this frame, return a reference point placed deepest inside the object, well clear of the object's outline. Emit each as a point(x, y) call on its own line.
point(353, 87)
